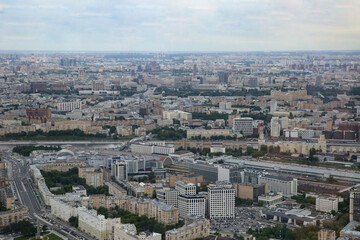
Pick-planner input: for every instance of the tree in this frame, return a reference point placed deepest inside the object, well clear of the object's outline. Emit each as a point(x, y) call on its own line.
point(74, 221)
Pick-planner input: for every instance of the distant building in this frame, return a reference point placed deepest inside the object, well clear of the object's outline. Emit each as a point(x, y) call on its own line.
point(271, 199)
point(68, 106)
point(39, 114)
point(243, 125)
point(275, 127)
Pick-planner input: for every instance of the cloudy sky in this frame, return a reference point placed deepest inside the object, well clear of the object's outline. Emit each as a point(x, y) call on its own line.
point(179, 25)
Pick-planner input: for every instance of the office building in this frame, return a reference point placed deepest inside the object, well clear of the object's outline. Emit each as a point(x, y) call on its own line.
point(68, 106)
point(275, 127)
point(273, 106)
point(249, 190)
point(270, 199)
point(243, 126)
point(168, 196)
point(278, 184)
point(151, 149)
point(354, 212)
point(327, 204)
point(119, 169)
point(191, 205)
point(221, 198)
point(185, 188)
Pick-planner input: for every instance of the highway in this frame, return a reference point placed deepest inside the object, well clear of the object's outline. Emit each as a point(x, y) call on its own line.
point(19, 177)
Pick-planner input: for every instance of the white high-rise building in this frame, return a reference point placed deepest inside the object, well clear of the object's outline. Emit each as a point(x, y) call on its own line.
point(119, 169)
point(243, 125)
point(68, 106)
point(185, 188)
point(273, 105)
point(191, 205)
point(275, 127)
point(221, 201)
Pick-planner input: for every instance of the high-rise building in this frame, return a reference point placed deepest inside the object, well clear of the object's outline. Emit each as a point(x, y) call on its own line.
point(354, 213)
point(275, 127)
point(185, 188)
point(221, 201)
point(168, 196)
point(273, 106)
point(253, 82)
point(326, 204)
point(243, 125)
point(119, 169)
point(191, 205)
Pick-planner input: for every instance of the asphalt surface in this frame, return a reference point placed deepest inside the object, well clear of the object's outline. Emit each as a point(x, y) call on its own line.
point(19, 178)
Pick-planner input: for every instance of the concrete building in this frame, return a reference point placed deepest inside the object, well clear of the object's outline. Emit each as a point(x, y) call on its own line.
point(250, 191)
point(128, 232)
point(188, 177)
point(273, 106)
point(116, 190)
point(191, 205)
point(278, 184)
point(221, 199)
point(326, 234)
point(93, 224)
point(177, 114)
point(151, 149)
point(207, 133)
point(168, 196)
point(275, 127)
point(243, 126)
point(12, 216)
point(327, 204)
point(68, 106)
point(271, 199)
point(354, 212)
point(119, 169)
point(185, 188)
point(197, 229)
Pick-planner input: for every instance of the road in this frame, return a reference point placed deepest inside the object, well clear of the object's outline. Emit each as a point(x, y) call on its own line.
point(15, 143)
point(19, 176)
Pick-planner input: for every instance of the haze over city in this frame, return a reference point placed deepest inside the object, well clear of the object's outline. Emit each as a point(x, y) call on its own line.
point(162, 25)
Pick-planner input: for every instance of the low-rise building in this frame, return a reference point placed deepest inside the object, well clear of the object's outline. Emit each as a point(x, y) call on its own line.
point(197, 229)
point(271, 199)
point(12, 216)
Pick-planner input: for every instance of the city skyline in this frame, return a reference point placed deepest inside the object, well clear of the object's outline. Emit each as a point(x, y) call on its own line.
point(168, 26)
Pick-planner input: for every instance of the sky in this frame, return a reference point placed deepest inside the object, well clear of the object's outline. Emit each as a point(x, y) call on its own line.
point(179, 25)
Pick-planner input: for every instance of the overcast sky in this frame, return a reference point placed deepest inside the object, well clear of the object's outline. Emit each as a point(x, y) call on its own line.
point(179, 25)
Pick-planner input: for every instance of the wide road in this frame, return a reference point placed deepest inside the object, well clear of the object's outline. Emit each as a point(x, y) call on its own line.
point(14, 143)
point(19, 176)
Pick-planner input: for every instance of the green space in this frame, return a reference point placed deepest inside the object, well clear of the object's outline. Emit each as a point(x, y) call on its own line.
point(166, 133)
point(50, 236)
point(66, 180)
point(26, 150)
point(241, 201)
point(24, 227)
point(142, 223)
point(55, 135)
point(212, 116)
